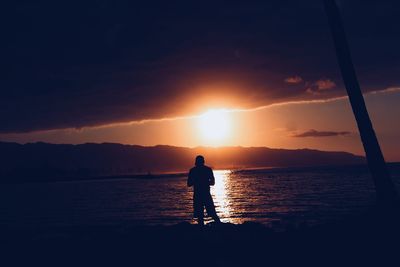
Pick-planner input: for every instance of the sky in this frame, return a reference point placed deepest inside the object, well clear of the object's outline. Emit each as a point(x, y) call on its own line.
point(146, 73)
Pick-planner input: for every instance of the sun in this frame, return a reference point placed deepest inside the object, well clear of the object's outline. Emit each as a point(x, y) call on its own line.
point(214, 126)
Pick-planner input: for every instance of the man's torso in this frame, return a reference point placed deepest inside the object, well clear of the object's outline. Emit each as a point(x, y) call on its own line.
point(201, 176)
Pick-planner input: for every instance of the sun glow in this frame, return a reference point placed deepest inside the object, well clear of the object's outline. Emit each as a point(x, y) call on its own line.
point(214, 126)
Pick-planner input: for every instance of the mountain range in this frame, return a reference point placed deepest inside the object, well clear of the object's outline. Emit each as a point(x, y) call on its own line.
point(48, 162)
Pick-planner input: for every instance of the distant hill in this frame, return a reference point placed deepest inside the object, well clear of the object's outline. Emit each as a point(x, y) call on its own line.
point(42, 161)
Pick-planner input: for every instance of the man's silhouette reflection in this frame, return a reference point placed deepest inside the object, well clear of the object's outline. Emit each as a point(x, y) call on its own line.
point(201, 177)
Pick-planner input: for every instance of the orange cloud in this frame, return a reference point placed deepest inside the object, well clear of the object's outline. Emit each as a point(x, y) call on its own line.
point(294, 80)
point(325, 84)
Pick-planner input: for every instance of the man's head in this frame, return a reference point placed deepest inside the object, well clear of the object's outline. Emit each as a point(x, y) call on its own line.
point(199, 160)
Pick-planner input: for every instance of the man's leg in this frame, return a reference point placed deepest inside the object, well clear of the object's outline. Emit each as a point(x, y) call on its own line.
point(200, 214)
point(198, 209)
point(216, 218)
point(209, 203)
point(200, 221)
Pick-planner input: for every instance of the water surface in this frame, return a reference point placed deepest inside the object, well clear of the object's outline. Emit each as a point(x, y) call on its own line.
point(272, 197)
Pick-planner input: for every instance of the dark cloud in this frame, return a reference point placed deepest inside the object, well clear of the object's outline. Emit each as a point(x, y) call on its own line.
point(315, 133)
point(89, 63)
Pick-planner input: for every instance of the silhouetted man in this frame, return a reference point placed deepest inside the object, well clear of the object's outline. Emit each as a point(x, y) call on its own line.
point(201, 177)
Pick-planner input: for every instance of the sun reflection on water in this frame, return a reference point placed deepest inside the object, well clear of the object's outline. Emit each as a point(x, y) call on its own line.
point(220, 193)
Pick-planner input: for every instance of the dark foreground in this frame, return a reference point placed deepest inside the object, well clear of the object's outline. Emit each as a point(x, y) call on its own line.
point(370, 239)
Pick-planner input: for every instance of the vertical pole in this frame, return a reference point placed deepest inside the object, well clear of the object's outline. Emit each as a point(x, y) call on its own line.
point(385, 189)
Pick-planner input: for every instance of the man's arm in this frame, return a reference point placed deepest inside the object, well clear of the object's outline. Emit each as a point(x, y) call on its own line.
point(212, 179)
point(190, 179)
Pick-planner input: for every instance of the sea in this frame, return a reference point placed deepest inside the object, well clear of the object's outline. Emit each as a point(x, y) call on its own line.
point(276, 197)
